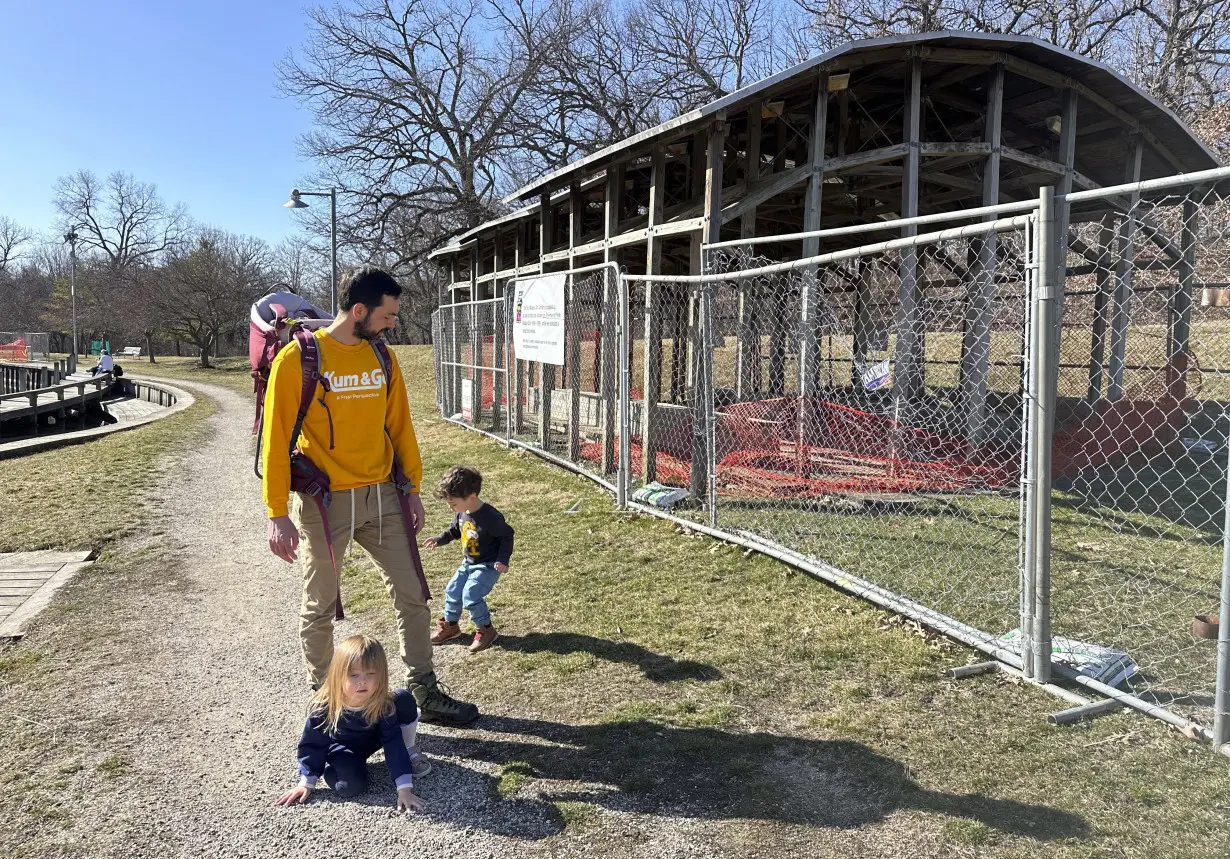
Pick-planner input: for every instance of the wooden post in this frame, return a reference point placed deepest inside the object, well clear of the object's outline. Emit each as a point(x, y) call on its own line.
point(1181, 301)
point(498, 290)
point(652, 386)
point(809, 340)
point(575, 330)
point(908, 377)
point(699, 155)
point(778, 329)
point(1063, 211)
point(976, 343)
point(518, 404)
point(1121, 319)
point(476, 337)
point(1101, 304)
point(702, 363)
point(608, 331)
point(455, 324)
point(546, 371)
point(747, 352)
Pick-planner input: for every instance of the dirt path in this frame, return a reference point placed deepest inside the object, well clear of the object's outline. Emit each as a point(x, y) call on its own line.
point(186, 702)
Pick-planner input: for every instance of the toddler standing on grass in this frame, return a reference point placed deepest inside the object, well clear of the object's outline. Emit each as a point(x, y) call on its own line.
point(486, 544)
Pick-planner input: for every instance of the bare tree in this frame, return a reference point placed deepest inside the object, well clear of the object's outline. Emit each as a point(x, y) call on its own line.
point(709, 48)
point(1180, 52)
point(204, 293)
point(124, 221)
point(417, 103)
point(12, 237)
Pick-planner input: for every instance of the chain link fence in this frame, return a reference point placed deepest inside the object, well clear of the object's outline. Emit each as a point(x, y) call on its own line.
point(1014, 431)
point(22, 346)
point(1140, 446)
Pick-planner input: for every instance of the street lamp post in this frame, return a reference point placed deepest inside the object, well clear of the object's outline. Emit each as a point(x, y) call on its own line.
point(296, 203)
point(71, 238)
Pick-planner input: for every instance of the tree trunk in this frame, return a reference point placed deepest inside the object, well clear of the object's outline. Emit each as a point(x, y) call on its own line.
point(149, 346)
point(205, 354)
point(178, 348)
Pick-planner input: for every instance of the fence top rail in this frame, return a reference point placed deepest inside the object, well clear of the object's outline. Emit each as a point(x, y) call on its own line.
point(480, 301)
point(877, 226)
point(1201, 177)
point(999, 226)
point(585, 269)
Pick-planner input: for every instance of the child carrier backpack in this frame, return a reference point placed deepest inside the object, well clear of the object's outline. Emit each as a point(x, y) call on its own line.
point(308, 478)
point(274, 320)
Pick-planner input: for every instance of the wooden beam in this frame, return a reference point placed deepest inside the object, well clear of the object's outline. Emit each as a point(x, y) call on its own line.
point(608, 330)
point(546, 372)
point(809, 343)
point(574, 333)
point(702, 364)
point(908, 379)
point(1120, 321)
point(976, 341)
point(1101, 304)
point(747, 336)
point(652, 385)
point(1063, 209)
point(518, 405)
point(1043, 75)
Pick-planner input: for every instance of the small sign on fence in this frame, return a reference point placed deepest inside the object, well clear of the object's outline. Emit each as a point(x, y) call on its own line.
point(467, 400)
point(538, 319)
point(875, 375)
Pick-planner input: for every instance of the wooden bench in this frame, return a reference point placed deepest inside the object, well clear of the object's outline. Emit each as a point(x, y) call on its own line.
point(130, 352)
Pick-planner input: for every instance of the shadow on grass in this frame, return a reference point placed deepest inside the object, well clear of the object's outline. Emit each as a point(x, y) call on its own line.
point(701, 773)
point(658, 668)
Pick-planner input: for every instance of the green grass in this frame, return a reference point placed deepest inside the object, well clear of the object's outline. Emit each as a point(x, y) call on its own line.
point(678, 669)
point(233, 372)
point(512, 775)
point(686, 678)
point(114, 766)
point(87, 496)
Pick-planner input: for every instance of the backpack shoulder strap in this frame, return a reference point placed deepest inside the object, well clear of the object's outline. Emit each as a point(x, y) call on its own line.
point(386, 361)
point(309, 359)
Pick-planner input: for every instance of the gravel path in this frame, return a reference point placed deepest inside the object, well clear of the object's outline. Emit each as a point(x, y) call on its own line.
point(218, 676)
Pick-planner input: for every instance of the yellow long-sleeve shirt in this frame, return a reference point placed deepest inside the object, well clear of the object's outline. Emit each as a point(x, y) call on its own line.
point(361, 402)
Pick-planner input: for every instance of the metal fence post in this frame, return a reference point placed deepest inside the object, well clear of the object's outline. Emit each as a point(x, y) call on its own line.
point(509, 360)
point(1044, 353)
point(1221, 698)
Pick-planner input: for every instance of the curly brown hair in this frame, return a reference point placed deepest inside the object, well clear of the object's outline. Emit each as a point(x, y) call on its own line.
point(460, 481)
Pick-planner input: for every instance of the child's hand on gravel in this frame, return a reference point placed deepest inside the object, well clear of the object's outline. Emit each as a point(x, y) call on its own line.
point(501, 568)
point(407, 801)
point(299, 794)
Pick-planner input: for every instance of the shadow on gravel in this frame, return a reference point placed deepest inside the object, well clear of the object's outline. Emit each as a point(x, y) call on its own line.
point(650, 768)
point(657, 668)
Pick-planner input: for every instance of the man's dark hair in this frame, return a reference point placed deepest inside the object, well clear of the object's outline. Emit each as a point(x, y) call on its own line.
point(366, 285)
point(460, 481)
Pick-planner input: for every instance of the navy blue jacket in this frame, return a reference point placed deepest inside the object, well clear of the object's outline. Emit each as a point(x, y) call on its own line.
point(354, 734)
point(486, 538)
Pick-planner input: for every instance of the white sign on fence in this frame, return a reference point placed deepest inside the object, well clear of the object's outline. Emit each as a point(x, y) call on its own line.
point(467, 400)
point(875, 375)
point(538, 319)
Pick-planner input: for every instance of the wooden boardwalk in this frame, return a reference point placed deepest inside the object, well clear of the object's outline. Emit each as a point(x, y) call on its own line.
point(75, 392)
point(28, 580)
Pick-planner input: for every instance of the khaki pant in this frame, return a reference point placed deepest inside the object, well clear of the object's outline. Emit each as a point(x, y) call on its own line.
point(378, 528)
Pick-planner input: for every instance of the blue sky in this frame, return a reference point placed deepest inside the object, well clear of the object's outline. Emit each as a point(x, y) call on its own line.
point(180, 94)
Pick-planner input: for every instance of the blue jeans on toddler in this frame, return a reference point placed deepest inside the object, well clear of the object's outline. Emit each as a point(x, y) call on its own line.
point(468, 589)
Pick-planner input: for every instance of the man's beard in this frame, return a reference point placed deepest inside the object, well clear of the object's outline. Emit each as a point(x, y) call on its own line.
point(364, 331)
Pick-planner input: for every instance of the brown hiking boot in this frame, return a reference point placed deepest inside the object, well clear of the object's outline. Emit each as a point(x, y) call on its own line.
point(445, 630)
point(484, 637)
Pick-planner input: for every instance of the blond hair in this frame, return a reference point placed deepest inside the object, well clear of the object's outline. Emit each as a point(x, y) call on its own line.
point(329, 700)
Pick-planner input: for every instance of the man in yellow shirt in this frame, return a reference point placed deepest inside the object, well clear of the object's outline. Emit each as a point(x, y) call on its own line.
point(357, 421)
